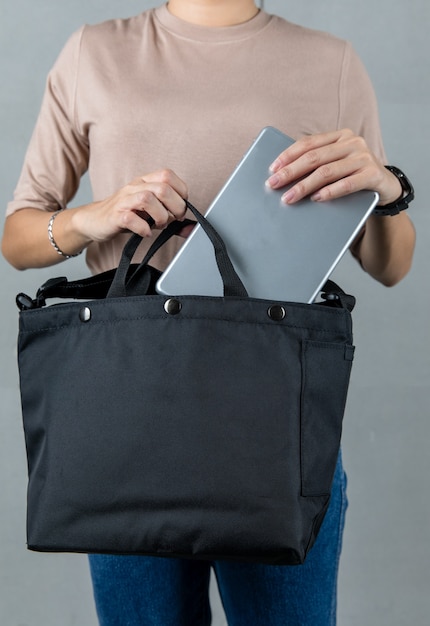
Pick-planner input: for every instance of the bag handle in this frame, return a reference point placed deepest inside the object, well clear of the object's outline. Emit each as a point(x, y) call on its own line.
point(232, 284)
point(123, 281)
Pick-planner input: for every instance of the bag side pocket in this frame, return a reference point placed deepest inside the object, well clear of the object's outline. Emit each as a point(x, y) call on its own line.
point(326, 371)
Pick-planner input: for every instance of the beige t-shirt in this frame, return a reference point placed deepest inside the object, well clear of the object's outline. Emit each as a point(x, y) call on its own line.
point(130, 96)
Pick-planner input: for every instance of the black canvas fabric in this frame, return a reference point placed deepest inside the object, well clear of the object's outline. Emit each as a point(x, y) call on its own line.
point(196, 427)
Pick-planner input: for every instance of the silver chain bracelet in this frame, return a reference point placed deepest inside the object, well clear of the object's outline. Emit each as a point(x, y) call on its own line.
point(52, 240)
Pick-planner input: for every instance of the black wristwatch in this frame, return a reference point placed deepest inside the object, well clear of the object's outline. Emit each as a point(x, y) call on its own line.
point(401, 203)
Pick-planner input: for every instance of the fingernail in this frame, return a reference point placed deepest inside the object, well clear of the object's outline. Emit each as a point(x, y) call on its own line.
point(287, 197)
point(275, 165)
point(316, 196)
point(273, 181)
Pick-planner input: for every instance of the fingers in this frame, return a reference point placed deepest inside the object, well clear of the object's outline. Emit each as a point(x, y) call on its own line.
point(160, 195)
point(167, 177)
point(157, 198)
point(305, 145)
point(152, 200)
point(325, 166)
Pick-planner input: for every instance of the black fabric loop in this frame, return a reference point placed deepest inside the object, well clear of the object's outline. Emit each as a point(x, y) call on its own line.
point(118, 288)
point(232, 284)
point(174, 228)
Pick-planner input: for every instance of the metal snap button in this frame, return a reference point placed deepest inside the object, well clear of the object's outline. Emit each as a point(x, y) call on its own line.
point(276, 312)
point(85, 314)
point(172, 306)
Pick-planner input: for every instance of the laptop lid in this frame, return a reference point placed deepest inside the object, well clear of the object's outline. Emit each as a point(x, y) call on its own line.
point(280, 252)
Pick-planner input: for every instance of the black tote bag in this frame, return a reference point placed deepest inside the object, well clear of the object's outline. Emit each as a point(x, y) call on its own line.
point(194, 427)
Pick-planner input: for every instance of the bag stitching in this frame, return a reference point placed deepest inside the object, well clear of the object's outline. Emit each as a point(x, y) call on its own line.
point(183, 318)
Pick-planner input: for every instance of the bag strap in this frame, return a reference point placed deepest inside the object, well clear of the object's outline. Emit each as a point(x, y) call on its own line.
point(123, 281)
point(232, 284)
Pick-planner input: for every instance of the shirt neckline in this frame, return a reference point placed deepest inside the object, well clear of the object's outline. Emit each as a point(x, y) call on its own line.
point(210, 34)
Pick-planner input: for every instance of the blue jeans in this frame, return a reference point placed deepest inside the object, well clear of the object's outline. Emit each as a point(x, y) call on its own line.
point(154, 591)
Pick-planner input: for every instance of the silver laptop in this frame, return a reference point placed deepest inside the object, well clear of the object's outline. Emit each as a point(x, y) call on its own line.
point(280, 252)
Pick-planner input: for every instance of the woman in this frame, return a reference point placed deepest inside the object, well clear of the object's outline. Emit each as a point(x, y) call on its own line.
point(160, 108)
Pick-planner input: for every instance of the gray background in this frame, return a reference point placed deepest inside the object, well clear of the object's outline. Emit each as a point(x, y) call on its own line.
point(385, 569)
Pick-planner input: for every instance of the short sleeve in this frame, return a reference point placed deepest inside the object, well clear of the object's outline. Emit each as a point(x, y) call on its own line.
point(358, 108)
point(57, 155)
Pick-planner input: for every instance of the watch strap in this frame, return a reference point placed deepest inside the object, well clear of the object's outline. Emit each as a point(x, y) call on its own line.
point(403, 201)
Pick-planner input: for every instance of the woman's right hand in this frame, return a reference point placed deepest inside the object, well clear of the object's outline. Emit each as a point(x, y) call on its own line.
point(159, 196)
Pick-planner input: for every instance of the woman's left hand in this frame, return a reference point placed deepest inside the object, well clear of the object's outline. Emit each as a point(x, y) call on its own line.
point(331, 165)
